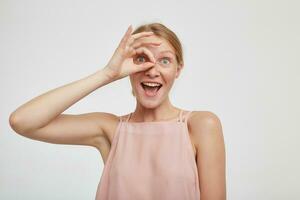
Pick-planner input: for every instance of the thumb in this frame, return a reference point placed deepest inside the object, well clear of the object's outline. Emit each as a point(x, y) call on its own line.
point(147, 65)
point(143, 67)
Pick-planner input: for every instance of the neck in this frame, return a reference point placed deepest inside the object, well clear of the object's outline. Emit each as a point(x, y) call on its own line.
point(164, 111)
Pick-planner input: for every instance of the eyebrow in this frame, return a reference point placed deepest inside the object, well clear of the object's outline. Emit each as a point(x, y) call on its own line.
point(167, 51)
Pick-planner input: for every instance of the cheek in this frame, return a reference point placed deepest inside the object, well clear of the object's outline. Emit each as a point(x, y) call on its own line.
point(133, 78)
point(135, 81)
point(170, 76)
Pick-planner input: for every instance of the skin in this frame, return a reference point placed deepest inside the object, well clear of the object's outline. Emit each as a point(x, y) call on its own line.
point(158, 107)
point(41, 118)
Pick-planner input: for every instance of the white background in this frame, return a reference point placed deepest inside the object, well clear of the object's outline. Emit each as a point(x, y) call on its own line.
point(241, 62)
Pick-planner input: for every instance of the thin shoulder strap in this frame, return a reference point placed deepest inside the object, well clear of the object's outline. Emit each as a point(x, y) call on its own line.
point(128, 117)
point(180, 116)
point(120, 119)
point(126, 120)
point(186, 116)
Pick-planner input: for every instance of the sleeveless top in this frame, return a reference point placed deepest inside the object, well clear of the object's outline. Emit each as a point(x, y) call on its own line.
point(150, 161)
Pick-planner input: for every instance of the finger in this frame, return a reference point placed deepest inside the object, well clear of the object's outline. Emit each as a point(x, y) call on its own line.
point(146, 39)
point(143, 66)
point(146, 65)
point(146, 51)
point(145, 43)
point(142, 34)
point(138, 36)
point(126, 36)
point(130, 41)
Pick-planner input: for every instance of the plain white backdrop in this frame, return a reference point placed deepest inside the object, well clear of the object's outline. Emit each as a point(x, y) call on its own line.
point(241, 62)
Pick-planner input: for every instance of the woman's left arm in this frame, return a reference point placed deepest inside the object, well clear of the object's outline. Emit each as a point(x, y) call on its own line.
point(206, 130)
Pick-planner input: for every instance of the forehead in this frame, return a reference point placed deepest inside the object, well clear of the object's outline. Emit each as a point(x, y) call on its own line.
point(165, 47)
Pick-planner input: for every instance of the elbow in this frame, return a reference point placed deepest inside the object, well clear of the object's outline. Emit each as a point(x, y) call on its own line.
point(16, 124)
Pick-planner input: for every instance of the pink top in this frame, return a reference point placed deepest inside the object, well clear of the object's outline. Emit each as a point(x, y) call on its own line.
point(150, 161)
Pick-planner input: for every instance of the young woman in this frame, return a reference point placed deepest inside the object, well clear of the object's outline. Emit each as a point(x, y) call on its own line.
point(158, 151)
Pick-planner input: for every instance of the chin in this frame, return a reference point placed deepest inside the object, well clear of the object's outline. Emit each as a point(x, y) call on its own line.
point(149, 104)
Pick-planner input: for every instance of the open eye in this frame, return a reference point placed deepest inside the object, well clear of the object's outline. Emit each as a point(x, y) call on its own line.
point(165, 61)
point(141, 58)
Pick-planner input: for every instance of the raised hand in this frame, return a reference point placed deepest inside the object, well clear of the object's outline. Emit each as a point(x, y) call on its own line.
point(122, 62)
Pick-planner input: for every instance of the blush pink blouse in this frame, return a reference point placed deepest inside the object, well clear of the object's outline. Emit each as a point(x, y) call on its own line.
point(150, 161)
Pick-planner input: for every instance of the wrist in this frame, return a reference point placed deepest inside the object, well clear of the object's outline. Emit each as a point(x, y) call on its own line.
point(109, 73)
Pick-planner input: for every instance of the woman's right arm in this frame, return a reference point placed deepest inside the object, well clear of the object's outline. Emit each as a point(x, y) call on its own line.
point(41, 118)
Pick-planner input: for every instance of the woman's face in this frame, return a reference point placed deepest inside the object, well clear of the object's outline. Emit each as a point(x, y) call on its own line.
point(164, 72)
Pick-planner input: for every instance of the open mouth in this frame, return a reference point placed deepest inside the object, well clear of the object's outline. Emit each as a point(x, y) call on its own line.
point(151, 89)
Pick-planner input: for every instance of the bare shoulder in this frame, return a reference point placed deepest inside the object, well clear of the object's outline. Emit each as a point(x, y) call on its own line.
point(204, 122)
point(105, 119)
point(107, 122)
point(204, 116)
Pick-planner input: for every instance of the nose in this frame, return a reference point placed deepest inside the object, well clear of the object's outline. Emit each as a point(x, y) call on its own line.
point(153, 71)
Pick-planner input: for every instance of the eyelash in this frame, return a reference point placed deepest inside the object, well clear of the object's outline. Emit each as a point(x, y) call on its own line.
point(162, 58)
point(141, 56)
point(167, 59)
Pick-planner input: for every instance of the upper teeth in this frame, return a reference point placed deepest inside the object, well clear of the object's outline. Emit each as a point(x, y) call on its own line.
point(151, 84)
